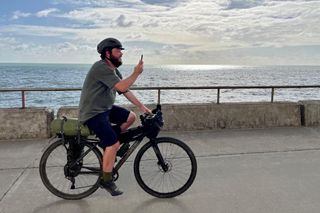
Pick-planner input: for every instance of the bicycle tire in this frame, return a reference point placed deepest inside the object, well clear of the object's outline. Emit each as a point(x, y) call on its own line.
point(145, 159)
point(48, 181)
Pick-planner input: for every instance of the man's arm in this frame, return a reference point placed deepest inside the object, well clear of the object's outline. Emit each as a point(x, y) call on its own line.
point(133, 99)
point(125, 84)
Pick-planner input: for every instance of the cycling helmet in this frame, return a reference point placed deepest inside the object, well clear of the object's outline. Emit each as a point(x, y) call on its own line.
point(109, 43)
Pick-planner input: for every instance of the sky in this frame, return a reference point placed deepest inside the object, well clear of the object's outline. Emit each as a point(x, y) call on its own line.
point(223, 32)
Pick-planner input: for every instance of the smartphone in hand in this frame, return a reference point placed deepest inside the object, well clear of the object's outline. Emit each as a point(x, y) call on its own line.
point(141, 59)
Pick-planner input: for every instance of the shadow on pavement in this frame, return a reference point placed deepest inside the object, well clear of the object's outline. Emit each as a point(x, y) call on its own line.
point(170, 203)
point(81, 205)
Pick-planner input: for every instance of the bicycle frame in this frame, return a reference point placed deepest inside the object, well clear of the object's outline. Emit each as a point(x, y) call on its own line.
point(94, 142)
point(127, 154)
point(135, 135)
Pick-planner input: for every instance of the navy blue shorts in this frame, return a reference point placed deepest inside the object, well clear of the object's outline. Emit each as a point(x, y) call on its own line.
point(101, 125)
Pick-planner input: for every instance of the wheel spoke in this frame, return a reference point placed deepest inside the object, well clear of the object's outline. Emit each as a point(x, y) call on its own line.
point(52, 170)
point(181, 168)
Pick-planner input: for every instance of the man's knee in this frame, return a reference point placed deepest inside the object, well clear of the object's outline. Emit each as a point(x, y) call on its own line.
point(132, 117)
point(115, 146)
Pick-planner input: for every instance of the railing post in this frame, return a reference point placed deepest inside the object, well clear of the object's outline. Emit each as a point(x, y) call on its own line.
point(159, 96)
point(218, 96)
point(272, 94)
point(23, 98)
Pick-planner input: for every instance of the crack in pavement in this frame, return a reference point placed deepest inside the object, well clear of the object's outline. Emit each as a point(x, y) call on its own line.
point(19, 176)
point(14, 182)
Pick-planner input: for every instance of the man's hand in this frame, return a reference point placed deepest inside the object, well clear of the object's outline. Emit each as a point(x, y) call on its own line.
point(145, 109)
point(125, 84)
point(138, 69)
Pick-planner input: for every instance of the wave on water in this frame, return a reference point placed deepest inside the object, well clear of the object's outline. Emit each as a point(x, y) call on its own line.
point(73, 75)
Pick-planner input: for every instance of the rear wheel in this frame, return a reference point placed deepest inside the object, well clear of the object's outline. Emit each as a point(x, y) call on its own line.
point(172, 179)
point(70, 180)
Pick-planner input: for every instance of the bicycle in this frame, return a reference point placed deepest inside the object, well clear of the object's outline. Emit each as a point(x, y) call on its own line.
point(164, 167)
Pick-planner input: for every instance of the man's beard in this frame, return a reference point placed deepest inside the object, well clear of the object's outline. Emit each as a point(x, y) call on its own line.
point(115, 61)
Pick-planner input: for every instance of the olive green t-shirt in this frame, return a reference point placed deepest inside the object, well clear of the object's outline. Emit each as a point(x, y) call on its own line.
point(98, 93)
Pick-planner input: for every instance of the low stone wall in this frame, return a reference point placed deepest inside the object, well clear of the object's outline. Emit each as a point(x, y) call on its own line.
point(25, 123)
point(226, 115)
point(34, 122)
point(236, 115)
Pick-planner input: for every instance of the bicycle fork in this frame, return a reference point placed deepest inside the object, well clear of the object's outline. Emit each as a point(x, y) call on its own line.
point(161, 161)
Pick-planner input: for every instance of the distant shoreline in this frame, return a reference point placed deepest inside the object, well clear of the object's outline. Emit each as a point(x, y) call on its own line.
point(89, 64)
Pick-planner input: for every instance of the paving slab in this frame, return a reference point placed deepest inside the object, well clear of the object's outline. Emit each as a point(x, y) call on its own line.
point(20, 153)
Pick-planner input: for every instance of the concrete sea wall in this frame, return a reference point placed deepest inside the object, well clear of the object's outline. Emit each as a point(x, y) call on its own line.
point(226, 115)
point(25, 123)
point(34, 122)
point(311, 112)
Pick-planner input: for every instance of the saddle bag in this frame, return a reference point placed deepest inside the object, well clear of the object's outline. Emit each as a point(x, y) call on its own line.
point(69, 127)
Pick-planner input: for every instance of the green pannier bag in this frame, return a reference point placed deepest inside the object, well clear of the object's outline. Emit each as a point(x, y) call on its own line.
point(69, 127)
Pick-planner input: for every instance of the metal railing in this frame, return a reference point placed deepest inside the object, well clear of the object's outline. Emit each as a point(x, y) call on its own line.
point(159, 89)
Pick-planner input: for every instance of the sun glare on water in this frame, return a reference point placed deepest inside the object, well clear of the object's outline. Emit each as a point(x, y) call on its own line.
point(200, 67)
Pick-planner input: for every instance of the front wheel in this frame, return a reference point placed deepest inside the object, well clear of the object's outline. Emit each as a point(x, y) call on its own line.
point(173, 177)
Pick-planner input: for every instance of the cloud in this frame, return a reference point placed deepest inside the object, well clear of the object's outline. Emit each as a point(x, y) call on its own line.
point(45, 13)
point(36, 31)
point(18, 14)
point(261, 23)
point(99, 3)
point(134, 36)
point(188, 28)
point(168, 3)
point(66, 47)
point(121, 22)
point(7, 41)
point(243, 4)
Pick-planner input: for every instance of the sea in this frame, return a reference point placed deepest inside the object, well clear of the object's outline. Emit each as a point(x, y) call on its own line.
point(14, 75)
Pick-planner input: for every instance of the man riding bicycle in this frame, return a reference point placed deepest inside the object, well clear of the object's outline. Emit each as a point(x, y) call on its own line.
point(97, 109)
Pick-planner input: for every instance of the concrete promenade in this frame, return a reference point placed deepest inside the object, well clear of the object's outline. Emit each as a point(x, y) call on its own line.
point(239, 171)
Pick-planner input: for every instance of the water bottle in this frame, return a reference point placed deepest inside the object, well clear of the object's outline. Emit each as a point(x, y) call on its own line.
point(123, 149)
